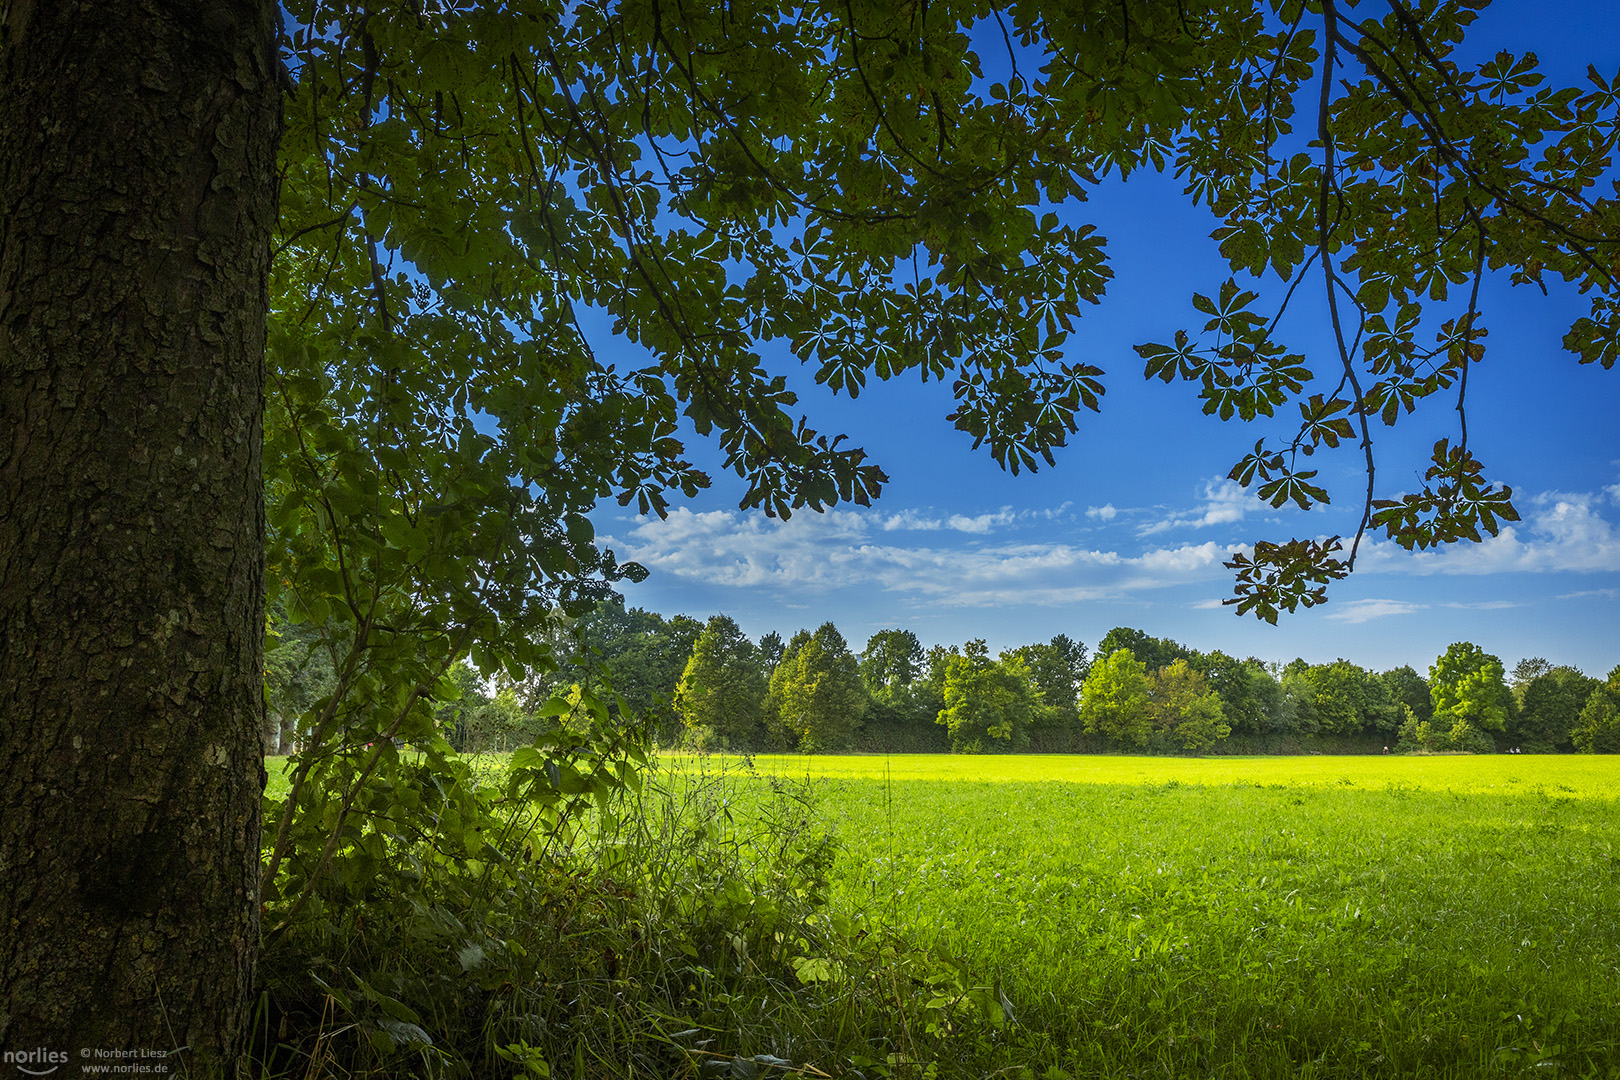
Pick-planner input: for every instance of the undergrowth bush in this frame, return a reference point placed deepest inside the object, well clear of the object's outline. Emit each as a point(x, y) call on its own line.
point(584, 915)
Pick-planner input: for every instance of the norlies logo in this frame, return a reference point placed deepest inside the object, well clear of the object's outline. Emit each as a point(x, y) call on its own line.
point(40, 1062)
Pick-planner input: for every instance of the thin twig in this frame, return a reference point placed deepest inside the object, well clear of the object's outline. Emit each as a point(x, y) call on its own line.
point(1328, 188)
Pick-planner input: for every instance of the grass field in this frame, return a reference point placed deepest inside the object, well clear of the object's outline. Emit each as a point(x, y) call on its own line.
point(1385, 916)
point(1570, 774)
point(1260, 917)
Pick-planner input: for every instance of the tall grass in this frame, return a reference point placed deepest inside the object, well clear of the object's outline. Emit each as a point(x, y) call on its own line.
point(680, 929)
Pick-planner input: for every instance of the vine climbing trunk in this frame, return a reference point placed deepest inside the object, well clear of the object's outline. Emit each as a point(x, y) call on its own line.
point(137, 193)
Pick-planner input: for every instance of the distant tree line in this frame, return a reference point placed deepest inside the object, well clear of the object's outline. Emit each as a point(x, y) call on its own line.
point(707, 685)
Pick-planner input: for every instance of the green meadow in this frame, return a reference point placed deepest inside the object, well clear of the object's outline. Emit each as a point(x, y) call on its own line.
point(1258, 917)
point(1367, 916)
point(1587, 775)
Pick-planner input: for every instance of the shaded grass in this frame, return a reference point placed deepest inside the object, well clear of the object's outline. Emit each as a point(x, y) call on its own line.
point(658, 936)
point(278, 780)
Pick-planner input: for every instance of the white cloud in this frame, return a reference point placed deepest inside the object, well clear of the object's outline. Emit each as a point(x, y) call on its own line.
point(981, 524)
point(1184, 559)
point(1012, 557)
point(978, 524)
point(911, 519)
point(1360, 611)
point(845, 548)
point(1223, 503)
point(1562, 532)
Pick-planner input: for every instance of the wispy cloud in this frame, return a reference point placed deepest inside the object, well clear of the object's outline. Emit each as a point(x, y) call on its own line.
point(1360, 611)
point(844, 549)
point(1604, 594)
point(978, 524)
point(914, 520)
point(1035, 557)
point(1222, 503)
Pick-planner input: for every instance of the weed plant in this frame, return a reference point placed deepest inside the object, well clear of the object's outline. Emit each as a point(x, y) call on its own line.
point(677, 928)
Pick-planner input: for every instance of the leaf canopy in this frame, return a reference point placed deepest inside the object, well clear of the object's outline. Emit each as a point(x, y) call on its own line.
point(468, 188)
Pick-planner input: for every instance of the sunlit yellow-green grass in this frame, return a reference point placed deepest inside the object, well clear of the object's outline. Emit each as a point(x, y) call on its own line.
point(1575, 775)
point(1569, 774)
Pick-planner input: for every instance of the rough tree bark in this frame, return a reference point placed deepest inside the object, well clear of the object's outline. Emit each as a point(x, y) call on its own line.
point(137, 195)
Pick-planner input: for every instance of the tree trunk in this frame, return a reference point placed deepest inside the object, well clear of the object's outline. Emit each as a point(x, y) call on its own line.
point(137, 195)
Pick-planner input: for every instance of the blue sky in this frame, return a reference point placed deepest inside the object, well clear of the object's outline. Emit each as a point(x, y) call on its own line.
point(1133, 524)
